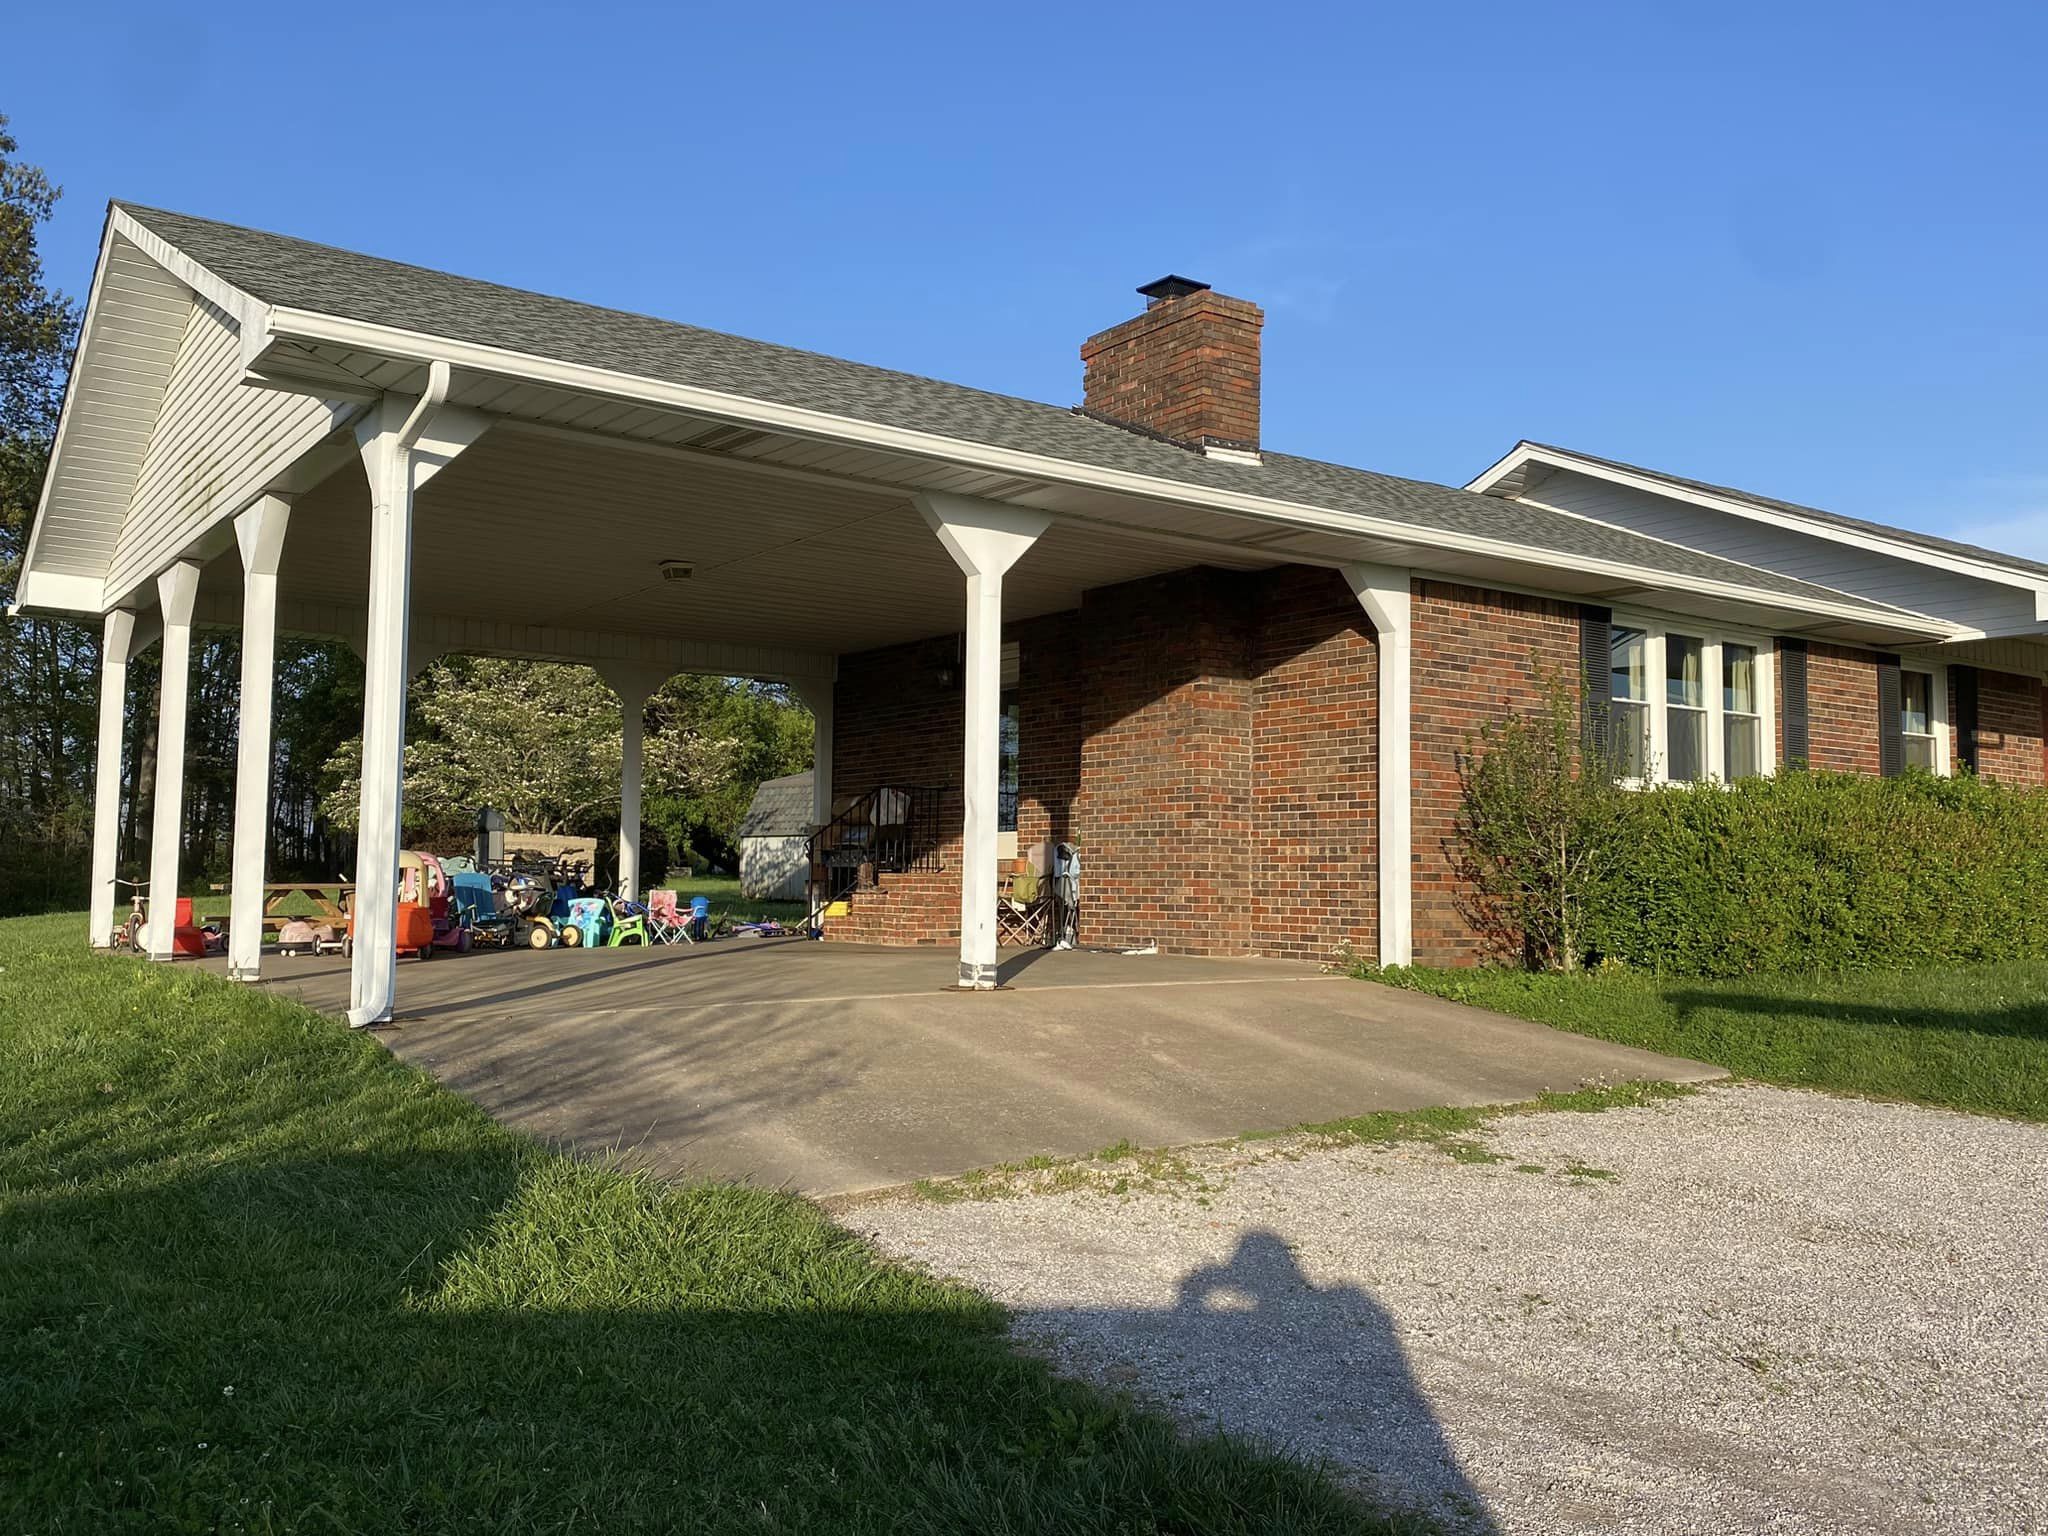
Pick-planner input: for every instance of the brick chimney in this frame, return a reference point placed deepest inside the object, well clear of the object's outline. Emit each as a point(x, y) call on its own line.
point(1187, 368)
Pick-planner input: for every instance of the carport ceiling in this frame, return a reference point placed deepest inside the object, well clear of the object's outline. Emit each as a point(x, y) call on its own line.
point(571, 532)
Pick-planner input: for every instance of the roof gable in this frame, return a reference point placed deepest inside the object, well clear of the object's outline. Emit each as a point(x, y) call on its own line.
point(1507, 478)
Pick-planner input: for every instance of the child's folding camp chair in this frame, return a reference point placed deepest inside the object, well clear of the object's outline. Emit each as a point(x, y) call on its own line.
point(665, 923)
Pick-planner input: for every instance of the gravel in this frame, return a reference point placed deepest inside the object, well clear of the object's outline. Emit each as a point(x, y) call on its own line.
point(1748, 1310)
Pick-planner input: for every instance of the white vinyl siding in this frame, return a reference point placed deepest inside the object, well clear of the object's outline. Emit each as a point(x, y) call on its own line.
point(1862, 573)
point(140, 319)
point(216, 444)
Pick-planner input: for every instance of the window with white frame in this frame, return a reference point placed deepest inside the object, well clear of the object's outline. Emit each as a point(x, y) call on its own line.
point(1921, 720)
point(1742, 715)
point(1688, 703)
point(1629, 703)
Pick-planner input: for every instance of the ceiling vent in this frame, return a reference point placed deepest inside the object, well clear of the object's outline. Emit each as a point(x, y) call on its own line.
point(677, 570)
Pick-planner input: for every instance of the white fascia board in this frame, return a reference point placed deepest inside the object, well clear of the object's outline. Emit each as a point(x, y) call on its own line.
point(413, 346)
point(1855, 538)
point(85, 331)
point(44, 592)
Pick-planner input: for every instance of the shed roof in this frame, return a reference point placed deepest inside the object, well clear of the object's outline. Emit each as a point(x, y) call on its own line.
point(781, 808)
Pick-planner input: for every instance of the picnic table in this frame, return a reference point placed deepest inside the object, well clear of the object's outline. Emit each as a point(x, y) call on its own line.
point(329, 900)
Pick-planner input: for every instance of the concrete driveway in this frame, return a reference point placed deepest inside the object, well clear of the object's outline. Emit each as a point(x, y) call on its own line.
point(833, 1068)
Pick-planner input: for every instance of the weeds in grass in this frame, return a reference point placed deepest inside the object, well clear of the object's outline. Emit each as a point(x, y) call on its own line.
point(1203, 1169)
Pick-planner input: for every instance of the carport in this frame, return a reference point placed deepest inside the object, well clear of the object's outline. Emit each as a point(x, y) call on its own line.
point(834, 1068)
point(286, 438)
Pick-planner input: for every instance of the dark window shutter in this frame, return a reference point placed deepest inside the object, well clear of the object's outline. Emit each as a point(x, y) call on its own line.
point(1891, 754)
point(1596, 664)
point(1792, 698)
point(1964, 681)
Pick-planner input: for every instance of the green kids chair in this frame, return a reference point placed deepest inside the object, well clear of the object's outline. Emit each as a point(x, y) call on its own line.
point(629, 923)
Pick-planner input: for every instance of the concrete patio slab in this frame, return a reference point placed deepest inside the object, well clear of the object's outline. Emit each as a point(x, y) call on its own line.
point(833, 1069)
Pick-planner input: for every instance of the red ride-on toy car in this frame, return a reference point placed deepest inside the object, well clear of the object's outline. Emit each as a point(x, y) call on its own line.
point(415, 916)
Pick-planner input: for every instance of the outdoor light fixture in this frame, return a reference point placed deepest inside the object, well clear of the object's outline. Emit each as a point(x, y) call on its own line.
point(677, 570)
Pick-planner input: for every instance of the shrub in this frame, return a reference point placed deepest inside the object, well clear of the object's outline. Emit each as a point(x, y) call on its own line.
point(1539, 826)
point(1826, 872)
point(1805, 871)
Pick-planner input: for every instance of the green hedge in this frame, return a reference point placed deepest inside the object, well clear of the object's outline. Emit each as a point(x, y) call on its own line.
point(1827, 872)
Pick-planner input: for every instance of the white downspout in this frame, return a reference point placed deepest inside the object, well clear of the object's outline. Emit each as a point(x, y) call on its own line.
point(1382, 591)
point(373, 976)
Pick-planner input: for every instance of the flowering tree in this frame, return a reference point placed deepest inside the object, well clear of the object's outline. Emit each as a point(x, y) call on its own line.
point(538, 741)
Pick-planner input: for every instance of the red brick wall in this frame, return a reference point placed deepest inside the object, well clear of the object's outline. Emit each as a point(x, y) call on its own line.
point(1841, 709)
point(2009, 727)
point(1478, 656)
point(910, 723)
point(918, 906)
point(1162, 805)
point(1206, 738)
point(1314, 879)
point(1187, 368)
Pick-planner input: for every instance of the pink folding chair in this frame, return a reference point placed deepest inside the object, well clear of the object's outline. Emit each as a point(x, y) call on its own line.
point(665, 923)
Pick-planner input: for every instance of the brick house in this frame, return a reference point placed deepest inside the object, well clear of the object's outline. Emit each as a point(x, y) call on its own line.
point(1235, 679)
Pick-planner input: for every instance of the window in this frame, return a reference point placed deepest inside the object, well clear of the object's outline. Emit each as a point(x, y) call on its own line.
point(1008, 719)
point(1685, 709)
point(1688, 705)
point(1742, 724)
point(1630, 703)
point(1006, 765)
point(1917, 720)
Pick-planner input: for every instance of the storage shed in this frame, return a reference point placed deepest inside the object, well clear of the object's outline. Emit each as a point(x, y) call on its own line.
point(775, 840)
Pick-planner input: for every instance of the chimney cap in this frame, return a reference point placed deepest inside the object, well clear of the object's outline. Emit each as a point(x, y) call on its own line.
point(1171, 286)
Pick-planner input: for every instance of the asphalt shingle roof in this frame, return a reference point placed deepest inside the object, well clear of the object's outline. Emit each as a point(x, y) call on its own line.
point(1928, 541)
point(781, 808)
point(298, 274)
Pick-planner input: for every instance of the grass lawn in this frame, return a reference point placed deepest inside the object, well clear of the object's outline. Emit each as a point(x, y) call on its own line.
point(724, 891)
point(258, 1275)
point(1972, 1038)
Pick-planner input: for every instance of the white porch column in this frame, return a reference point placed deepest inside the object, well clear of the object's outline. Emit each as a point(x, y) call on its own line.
point(260, 533)
point(985, 539)
point(121, 637)
point(404, 444)
point(634, 685)
point(817, 696)
point(1382, 590)
point(175, 590)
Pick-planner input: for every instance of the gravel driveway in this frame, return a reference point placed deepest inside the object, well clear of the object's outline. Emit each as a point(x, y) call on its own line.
point(1749, 1310)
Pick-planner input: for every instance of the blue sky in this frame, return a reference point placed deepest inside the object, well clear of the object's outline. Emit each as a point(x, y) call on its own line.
point(1797, 248)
